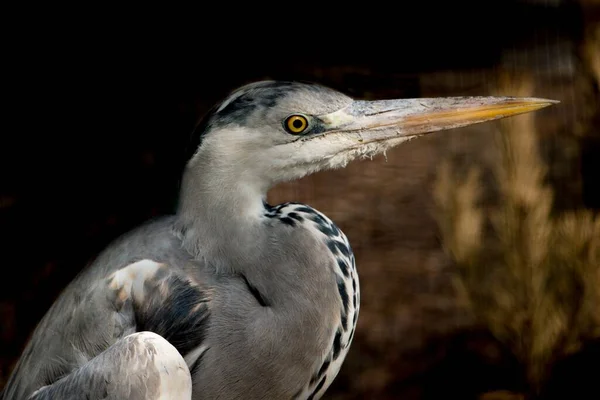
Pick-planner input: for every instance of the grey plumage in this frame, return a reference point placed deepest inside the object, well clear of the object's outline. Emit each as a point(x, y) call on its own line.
point(259, 301)
point(140, 366)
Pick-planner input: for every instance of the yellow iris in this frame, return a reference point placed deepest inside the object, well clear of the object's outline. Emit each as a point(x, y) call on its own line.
point(296, 124)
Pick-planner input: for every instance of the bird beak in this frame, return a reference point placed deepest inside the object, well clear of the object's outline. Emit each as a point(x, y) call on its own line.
point(388, 119)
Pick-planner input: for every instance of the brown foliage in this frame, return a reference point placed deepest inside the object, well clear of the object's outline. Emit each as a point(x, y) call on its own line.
point(530, 276)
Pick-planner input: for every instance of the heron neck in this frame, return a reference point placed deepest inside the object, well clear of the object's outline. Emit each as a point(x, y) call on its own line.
point(218, 207)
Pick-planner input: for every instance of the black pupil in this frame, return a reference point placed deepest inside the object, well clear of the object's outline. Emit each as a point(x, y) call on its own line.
point(297, 124)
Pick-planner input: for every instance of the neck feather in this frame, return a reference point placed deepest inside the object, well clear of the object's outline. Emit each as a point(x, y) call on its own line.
point(220, 206)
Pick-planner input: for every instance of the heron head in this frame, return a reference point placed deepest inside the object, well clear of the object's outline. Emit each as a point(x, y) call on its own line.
point(273, 131)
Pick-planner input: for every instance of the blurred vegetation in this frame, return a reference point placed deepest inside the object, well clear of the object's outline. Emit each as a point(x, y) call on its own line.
point(530, 274)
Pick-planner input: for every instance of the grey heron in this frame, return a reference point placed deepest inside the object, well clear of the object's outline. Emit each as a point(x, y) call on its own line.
point(231, 297)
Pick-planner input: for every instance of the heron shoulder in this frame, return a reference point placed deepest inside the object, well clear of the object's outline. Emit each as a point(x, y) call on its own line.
point(165, 300)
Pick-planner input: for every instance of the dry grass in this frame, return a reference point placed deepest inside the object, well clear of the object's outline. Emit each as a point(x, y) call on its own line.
point(591, 53)
point(530, 276)
point(501, 395)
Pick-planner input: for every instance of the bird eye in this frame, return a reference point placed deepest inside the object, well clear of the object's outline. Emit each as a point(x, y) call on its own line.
point(296, 124)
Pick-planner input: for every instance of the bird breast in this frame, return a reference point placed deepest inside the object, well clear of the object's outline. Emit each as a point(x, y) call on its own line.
point(347, 285)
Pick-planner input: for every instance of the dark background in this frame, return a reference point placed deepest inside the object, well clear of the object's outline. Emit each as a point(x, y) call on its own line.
point(99, 107)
